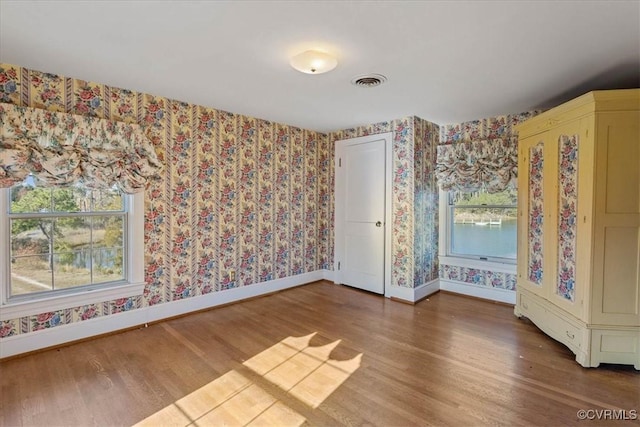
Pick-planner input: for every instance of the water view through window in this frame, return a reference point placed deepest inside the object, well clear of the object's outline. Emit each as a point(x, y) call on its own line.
point(483, 224)
point(485, 240)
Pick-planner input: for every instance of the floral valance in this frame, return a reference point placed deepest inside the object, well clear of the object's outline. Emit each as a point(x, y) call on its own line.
point(471, 166)
point(60, 149)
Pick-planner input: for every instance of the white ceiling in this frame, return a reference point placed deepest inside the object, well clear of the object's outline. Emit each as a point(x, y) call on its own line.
point(446, 61)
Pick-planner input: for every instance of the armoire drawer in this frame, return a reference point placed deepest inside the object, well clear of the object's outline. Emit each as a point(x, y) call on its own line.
point(560, 328)
point(572, 335)
point(531, 309)
point(553, 322)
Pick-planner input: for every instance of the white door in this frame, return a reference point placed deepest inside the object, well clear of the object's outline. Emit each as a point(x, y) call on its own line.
point(361, 204)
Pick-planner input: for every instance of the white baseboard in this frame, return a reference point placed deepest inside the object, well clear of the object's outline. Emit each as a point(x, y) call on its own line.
point(493, 294)
point(426, 289)
point(328, 275)
point(413, 294)
point(406, 294)
point(22, 343)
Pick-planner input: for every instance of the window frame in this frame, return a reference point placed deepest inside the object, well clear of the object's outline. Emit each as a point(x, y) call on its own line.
point(133, 284)
point(446, 224)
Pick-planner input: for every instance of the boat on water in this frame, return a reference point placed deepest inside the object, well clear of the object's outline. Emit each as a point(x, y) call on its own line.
point(490, 222)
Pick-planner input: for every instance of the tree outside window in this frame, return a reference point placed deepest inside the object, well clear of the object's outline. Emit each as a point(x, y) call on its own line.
point(65, 237)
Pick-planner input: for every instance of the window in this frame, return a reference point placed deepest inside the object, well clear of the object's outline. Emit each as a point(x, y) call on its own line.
point(68, 241)
point(482, 225)
point(70, 247)
point(64, 238)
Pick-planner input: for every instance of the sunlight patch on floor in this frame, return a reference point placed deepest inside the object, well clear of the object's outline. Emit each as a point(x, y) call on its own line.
point(307, 373)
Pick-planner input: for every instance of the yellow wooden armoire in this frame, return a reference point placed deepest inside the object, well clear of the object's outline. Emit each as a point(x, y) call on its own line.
point(579, 225)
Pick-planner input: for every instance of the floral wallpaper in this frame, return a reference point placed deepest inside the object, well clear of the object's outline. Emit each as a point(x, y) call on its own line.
point(488, 129)
point(568, 207)
point(414, 245)
point(426, 218)
point(475, 276)
point(236, 193)
point(498, 127)
point(536, 213)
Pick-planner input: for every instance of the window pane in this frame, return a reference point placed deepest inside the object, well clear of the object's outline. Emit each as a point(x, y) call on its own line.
point(30, 274)
point(71, 233)
point(508, 197)
point(484, 232)
point(71, 269)
point(68, 248)
point(108, 231)
point(30, 236)
point(68, 199)
point(29, 199)
point(108, 265)
point(107, 200)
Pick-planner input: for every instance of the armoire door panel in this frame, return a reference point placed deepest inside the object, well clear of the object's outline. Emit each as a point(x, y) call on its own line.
point(616, 260)
point(620, 275)
point(568, 153)
point(622, 157)
point(531, 216)
point(535, 213)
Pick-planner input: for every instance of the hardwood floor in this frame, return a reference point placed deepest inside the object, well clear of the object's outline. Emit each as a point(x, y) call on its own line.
point(448, 360)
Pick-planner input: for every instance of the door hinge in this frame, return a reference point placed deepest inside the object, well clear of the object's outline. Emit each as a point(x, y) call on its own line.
point(340, 162)
point(338, 265)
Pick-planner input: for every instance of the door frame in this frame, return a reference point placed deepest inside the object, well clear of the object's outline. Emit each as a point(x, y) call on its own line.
point(341, 145)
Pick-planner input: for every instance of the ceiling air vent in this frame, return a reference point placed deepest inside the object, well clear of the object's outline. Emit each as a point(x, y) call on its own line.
point(368, 80)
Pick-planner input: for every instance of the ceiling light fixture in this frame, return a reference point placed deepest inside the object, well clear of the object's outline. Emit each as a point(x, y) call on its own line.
point(313, 62)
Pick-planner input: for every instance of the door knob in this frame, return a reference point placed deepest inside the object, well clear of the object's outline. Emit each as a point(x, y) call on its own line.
point(378, 224)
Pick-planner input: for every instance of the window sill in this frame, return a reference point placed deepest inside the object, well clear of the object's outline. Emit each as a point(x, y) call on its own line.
point(501, 267)
point(44, 305)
